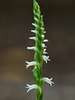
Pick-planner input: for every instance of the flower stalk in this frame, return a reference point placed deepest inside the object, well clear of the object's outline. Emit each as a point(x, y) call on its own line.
point(40, 51)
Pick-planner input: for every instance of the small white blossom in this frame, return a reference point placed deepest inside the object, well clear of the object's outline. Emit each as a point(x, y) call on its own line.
point(32, 38)
point(44, 31)
point(35, 25)
point(45, 58)
point(34, 31)
point(43, 36)
point(32, 63)
point(43, 45)
point(49, 81)
point(45, 52)
point(32, 48)
point(42, 28)
point(30, 87)
point(46, 40)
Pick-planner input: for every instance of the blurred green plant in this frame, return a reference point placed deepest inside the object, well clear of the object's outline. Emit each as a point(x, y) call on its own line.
point(40, 51)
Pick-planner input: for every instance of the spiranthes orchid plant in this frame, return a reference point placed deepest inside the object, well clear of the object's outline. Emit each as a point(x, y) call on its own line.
point(40, 52)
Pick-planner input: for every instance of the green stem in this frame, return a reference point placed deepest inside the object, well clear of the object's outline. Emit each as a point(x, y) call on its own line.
point(40, 95)
point(37, 72)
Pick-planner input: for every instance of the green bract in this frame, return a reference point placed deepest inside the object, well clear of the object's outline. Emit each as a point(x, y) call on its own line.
point(40, 51)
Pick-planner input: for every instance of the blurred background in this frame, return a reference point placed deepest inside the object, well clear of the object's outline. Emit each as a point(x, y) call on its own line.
point(16, 17)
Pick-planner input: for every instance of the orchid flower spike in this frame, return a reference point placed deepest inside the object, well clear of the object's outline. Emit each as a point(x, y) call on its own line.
point(40, 51)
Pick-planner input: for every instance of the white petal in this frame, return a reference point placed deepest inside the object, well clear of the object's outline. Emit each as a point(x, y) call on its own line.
point(43, 45)
point(30, 87)
point(46, 40)
point(32, 63)
point(32, 48)
point(34, 31)
point(44, 31)
point(49, 81)
point(35, 25)
point(45, 58)
point(45, 52)
point(42, 28)
point(43, 36)
point(32, 38)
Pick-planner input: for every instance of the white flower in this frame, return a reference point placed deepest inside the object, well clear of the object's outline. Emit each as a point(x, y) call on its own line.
point(30, 87)
point(43, 45)
point(45, 58)
point(43, 36)
point(46, 40)
point(34, 31)
point(42, 28)
point(32, 63)
point(45, 52)
point(44, 31)
point(49, 81)
point(35, 25)
point(32, 38)
point(32, 48)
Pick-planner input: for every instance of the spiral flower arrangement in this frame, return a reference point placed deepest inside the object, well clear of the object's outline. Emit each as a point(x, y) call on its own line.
point(40, 52)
